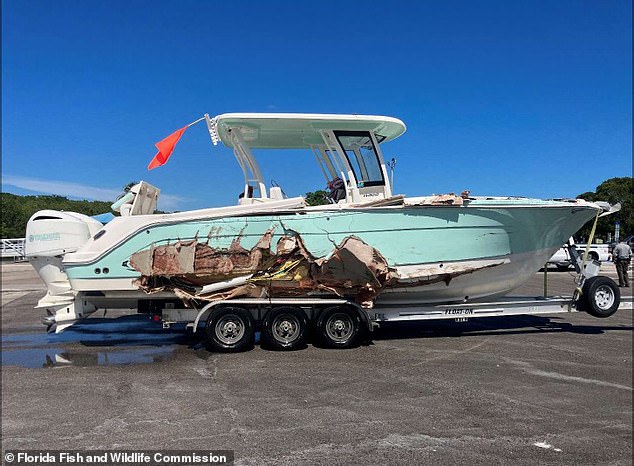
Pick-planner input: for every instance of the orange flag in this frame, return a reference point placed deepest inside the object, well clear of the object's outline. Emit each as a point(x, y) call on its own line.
point(165, 148)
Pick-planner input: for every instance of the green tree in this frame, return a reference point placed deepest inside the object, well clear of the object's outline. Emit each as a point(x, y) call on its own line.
point(613, 190)
point(16, 210)
point(319, 197)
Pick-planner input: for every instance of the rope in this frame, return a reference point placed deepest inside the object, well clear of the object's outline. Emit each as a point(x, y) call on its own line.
point(578, 291)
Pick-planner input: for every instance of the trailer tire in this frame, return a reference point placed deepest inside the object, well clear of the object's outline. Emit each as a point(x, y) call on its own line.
point(339, 327)
point(230, 330)
point(285, 328)
point(600, 297)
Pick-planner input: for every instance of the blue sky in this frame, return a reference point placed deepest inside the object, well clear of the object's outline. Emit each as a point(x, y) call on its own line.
point(527, 98)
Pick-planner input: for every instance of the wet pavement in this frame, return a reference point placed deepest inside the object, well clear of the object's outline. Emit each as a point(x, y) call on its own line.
point(124, 340)
point(531, 389)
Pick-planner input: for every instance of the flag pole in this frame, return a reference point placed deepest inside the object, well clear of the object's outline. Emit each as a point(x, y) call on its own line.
point(194, 122)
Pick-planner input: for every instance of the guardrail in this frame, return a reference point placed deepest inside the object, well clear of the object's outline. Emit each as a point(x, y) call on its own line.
point(13, 247)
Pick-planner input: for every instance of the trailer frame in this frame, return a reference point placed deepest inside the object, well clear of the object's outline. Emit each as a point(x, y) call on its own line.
point(339, 322)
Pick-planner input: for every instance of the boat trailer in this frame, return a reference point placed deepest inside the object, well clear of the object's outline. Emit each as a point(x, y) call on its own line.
point(286, 323)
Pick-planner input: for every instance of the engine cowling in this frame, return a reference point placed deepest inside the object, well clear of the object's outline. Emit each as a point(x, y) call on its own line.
point(49, 235)
point(54, 233)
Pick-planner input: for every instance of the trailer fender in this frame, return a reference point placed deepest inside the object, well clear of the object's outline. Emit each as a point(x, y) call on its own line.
point(204, 313)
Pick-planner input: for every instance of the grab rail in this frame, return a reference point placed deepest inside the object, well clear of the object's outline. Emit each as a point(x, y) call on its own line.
point(13, 247)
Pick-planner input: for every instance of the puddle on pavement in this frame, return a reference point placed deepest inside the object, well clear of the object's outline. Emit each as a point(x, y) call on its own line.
point(52, 357)
point(122, 341)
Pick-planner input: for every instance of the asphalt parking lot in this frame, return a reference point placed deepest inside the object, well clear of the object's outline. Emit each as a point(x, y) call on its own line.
point(525, 390)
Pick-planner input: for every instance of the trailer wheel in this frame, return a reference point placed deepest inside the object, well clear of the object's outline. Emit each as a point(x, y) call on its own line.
point(230, 330)
point(601, 297)
point(339, 327)
point(285, 328)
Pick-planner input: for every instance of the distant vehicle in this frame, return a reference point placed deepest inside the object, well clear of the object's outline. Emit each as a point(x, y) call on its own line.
point(562, 260)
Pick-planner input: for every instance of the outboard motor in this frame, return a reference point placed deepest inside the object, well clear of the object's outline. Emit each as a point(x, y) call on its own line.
point(50, 234)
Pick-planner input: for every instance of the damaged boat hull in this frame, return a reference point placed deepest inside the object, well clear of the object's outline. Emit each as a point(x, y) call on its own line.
point(435, 254)
point(367, 248)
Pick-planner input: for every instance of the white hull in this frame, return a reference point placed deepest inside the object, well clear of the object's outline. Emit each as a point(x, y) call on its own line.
point(487, 281)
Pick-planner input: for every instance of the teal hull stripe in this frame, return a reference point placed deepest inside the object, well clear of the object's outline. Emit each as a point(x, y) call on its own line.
point(411, 235)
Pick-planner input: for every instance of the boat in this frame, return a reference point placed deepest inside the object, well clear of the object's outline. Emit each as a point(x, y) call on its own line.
point(367, 246)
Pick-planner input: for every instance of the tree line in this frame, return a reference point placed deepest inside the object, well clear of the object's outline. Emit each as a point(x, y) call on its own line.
point(613, 190)
point(16, 210)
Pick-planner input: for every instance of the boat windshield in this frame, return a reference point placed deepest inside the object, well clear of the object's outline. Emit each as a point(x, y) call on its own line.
point(362, 157)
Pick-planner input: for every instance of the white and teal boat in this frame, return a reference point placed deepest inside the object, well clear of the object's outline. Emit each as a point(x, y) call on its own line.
point(368, 247)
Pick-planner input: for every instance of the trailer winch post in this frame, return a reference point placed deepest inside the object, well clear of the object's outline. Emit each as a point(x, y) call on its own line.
point(579, 262)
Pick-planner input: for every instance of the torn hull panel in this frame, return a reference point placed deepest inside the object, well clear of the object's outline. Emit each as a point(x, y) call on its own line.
point(353, 269)
point(199, 263)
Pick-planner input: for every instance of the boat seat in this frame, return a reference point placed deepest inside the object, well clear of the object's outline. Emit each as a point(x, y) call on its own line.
point(145, 199)
point(276, 193)
point(141, 199)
